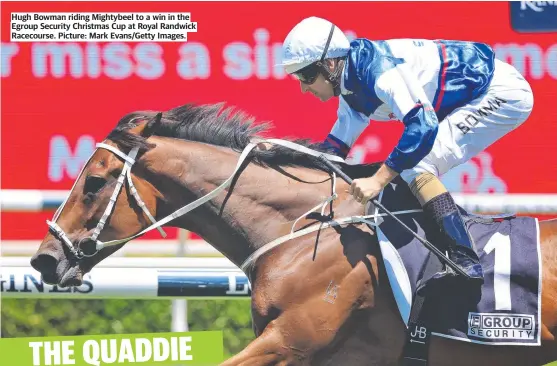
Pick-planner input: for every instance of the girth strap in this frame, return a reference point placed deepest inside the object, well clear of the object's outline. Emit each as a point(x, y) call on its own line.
point(416, 349)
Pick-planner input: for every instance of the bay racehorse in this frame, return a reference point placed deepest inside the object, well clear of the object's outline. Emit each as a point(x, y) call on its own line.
point(321, 298)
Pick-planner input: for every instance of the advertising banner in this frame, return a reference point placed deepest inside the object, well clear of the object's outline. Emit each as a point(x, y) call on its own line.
point(66, 96)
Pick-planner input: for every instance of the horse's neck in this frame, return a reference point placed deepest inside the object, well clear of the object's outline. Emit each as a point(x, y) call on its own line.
point(262, 203)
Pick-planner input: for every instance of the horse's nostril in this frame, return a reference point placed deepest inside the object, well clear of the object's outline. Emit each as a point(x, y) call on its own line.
point(45, 263)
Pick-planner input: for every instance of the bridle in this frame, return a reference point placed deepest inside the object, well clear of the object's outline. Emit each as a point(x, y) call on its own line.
point(129, 161)
point(125, 176)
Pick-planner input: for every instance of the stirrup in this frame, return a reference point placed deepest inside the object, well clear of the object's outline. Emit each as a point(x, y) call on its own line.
point(468, 261)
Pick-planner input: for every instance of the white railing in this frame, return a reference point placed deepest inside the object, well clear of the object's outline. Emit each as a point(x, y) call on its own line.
point(23, 200)
point(183, 276)
point(130, 283)
point(135, 278)
point(143, 247)
point(190, 263)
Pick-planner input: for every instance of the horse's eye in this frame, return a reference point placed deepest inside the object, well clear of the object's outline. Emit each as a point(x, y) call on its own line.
point(93, 184)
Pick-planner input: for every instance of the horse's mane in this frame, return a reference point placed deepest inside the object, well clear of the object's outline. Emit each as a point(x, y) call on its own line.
point(215, 125)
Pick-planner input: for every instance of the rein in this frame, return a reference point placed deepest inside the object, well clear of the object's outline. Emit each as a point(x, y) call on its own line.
point(129, 161)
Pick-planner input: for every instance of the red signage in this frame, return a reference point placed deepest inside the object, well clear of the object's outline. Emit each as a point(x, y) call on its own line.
point(59, 99)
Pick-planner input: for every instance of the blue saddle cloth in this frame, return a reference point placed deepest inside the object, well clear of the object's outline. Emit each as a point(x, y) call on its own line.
point(507, 309)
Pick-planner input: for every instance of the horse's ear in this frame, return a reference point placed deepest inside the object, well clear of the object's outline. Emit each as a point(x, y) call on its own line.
point(146, 127)
point(151, 125)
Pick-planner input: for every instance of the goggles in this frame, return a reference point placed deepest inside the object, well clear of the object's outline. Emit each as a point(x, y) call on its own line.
point(308, 74)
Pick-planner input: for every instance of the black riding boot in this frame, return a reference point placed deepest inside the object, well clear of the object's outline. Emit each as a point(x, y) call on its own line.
point(453, 231)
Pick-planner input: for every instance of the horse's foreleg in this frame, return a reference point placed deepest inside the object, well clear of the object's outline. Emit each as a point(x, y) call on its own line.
point(267, 349)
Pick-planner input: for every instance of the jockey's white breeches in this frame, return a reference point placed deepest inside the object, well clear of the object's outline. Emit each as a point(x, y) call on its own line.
point(468, 130)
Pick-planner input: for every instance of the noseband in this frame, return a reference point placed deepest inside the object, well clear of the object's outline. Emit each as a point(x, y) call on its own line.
point(59, 233)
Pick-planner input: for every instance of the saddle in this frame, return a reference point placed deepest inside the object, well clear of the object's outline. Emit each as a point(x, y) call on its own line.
point(504, 311)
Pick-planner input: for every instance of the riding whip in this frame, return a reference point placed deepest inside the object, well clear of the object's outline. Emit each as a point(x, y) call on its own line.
point(428, 245)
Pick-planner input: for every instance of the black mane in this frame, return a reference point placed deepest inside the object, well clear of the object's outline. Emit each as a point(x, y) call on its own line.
point(213, 124)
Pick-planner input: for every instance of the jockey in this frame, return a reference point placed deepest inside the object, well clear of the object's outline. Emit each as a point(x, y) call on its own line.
point(453, 97)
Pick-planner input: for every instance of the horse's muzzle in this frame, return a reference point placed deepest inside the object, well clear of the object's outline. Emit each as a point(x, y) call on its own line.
point(52, 263)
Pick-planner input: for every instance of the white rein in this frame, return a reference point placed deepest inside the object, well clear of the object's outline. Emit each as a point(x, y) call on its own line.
point(129, 161)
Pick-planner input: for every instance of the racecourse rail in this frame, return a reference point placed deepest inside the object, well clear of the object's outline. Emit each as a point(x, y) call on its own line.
point(28, 200)
point(121, 278)
point(168, 278)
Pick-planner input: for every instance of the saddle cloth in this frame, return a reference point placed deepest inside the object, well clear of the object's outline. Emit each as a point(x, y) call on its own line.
point(506, 311)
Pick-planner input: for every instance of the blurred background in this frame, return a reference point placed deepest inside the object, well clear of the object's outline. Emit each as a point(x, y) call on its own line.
point(59, 99)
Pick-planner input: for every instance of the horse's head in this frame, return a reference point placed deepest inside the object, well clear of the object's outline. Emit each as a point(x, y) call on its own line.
point(128, 184)
point(106, 206)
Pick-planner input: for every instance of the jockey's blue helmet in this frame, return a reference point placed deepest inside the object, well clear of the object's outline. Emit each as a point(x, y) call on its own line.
point(309, 43)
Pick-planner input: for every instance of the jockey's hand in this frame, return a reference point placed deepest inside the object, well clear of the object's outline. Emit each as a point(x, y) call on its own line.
point(365, 189)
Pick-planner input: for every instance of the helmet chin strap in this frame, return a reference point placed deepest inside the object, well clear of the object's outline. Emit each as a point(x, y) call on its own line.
point(332, 77)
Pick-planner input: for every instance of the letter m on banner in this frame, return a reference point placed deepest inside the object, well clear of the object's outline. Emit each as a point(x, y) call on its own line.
point(63, 163)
